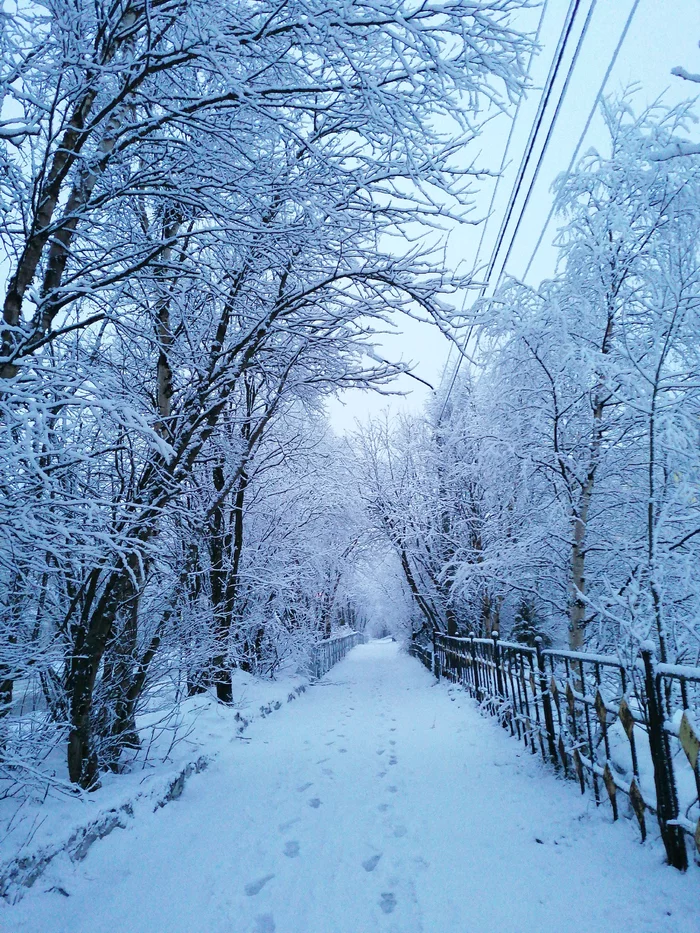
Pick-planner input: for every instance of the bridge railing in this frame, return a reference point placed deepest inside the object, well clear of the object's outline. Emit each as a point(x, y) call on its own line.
point(621, 730)
point(328, 652)
point(424, 655)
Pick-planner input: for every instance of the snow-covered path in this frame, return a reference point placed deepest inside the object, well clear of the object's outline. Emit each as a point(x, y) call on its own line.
point(378, 801)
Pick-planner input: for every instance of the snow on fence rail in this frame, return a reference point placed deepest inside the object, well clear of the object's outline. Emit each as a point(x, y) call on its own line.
point(624, 729)
point(328, 652)
point(424, 655)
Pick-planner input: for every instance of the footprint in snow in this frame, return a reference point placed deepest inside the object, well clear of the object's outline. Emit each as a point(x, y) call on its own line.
point(393, 760)
point(400, 831)
point(315, 802)
point(255, 887)
point(383, 807)
point(381, 774)
point(304, 787)
point(322, 761)
point(392, 788)
point(392, 741)
point(328, 771)
point(388, 902)
point(380, 751)
point(291, 849)
point(371, 863)
point(342, 751)
point(265, 923)
point(393, 729)
point(283, 827)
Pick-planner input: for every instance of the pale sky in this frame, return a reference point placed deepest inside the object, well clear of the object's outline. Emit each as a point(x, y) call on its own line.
point(663, 34)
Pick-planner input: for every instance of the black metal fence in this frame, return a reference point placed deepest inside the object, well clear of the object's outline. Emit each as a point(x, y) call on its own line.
point(328, 652)
point(424, 655)
point(619, 730)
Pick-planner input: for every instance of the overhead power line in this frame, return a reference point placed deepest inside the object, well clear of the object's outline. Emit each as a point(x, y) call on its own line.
point(501, 169)
point(514, 193)
point(511, 131)
point(550, 131)
point(584, 131)
point(555, 64)
point(534, 131)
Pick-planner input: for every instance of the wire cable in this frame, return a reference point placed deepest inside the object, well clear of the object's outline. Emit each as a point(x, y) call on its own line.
point(534, 131)
point(502, 166)
point(522, 168)
point(599, 95)
point(550, 132)
point(606, 77)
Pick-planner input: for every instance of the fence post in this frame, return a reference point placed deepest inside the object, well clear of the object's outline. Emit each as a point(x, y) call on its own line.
point(497, 663)
point(546, 704)
point(666, 796)
point(475, 670)
point(436, 659)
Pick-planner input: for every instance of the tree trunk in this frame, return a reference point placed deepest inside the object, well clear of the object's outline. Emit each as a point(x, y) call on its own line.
point(220, 544)
point(577, 604)
point(43, 229)
point(490, 613)
point(117, 681)
point(90, 639)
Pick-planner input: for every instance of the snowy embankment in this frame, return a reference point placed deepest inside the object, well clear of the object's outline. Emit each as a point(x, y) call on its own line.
point(67, 826)
point(379, 801)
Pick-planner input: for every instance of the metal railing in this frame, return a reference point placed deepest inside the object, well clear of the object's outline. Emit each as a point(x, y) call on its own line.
point(424, 654)
point(328, 652)
point(596, 720)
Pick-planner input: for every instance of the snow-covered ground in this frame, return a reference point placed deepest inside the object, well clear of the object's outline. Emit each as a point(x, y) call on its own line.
point(378, 801)
point(195, 728)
